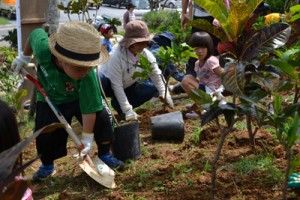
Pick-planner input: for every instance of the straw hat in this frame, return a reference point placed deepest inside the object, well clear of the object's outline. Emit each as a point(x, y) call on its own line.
point(135, 31)
point(78, 43)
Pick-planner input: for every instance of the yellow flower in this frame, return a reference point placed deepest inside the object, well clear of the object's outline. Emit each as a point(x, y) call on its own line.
point(272, 18)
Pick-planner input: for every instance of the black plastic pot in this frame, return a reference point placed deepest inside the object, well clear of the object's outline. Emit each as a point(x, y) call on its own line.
point(126, 145)
point(169, 126)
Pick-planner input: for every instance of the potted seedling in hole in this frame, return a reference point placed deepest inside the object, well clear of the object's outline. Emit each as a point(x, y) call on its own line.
point(178, 55)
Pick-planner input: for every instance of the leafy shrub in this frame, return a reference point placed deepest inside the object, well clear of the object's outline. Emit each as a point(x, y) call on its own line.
point(9, 83)
point(166, 20)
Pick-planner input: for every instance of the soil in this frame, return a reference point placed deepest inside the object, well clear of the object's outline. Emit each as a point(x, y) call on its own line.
point(176, 169)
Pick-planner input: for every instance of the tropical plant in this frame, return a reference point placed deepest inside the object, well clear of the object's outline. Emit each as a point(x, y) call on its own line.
point(10, 188)
point(246, 73)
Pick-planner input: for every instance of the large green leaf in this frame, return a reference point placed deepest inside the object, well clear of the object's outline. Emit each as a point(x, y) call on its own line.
point(286, 68)
point(200, 97)
point(233, 21)
point(266, 40)
point(233, 77)
point(207, 27)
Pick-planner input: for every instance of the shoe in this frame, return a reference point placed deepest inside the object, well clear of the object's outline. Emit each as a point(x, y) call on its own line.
point(111, 161)
point(177, 89)
point(189, 106)
point(192, 115)
point(44, 172)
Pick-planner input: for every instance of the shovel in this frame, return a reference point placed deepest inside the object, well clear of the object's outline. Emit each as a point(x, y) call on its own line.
point(106, 178)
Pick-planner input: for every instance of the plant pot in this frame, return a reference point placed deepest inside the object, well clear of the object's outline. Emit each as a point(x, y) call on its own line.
point(169, 126)
point(126, 145)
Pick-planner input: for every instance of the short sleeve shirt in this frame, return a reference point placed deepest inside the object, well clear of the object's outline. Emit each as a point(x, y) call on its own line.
point(206, 73)
point(108, 43)
point(58, 85)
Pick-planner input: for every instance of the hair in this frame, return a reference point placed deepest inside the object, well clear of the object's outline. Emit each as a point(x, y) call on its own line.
point(130, 5)
point(202, 39)
point(9, 132)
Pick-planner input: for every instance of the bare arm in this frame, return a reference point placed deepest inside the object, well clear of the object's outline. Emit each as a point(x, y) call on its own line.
point(185, 16)
point(219, 70)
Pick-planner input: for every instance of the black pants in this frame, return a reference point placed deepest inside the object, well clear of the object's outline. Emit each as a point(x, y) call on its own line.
point(52, 146)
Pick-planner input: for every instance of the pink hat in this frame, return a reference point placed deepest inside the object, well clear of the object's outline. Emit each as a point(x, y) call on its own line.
point(105, 28)
point(135, 31)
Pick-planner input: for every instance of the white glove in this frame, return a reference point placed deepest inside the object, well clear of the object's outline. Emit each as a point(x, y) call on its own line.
point(87, 140)
point(19, 62)
point(217, 95)
point(169, 99)
point(130, 115)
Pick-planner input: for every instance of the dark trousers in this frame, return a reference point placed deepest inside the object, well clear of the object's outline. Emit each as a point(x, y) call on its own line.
point(52, 146)
point(137, 94)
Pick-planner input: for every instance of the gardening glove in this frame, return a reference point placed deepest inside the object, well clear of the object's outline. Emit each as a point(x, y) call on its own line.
point(294, 181)
point(130, 115)
point(87, 141)
point(19, 62)
point(169, 99)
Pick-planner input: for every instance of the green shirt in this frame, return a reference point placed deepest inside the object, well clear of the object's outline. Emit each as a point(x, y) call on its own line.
point(58, 85)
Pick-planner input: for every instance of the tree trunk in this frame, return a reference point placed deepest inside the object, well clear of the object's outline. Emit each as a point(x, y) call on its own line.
point(52, 16)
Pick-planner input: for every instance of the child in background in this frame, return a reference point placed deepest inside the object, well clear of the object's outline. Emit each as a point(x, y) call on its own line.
point(107, 31)
point(207, 67)
point(9, 136)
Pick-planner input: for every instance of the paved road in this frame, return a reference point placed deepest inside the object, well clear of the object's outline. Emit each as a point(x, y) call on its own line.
point(110, 11)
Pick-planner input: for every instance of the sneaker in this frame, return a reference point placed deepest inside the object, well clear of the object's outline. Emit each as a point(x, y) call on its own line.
point(111, 161)
point(44, 172)
point(192, 115)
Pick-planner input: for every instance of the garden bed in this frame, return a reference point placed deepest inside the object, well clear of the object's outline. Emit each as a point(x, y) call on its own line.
point(177, 170)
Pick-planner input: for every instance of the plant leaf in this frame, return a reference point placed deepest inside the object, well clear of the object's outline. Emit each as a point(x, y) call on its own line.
point(8, 157)
point(285, 68)
point(266, 40)
point(233, 77)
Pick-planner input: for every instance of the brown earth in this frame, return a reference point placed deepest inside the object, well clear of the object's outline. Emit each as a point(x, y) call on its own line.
point(176, 170)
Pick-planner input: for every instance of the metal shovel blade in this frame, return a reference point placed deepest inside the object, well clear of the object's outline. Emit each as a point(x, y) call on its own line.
point(102, 173)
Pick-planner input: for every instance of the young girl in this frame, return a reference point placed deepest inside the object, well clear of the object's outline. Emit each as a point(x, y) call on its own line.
point(207, 67)
point(9, 136)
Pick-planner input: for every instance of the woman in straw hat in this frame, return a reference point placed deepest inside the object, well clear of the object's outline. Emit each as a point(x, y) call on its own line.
point(65, 69)
point(116, 75)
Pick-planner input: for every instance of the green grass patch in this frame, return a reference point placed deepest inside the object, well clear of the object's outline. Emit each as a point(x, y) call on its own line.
point(4, 21)
point(258, 163)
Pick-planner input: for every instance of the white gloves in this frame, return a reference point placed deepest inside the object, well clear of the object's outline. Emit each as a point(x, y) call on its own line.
point(130, 115)
point(217, 95)
point(19, 62)
point(87, 140)
point(169, 99)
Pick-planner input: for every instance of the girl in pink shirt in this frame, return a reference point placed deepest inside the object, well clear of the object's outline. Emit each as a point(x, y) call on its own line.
point(207, 66)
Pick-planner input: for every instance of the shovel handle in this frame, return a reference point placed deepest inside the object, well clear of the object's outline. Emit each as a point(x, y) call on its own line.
point(54, 108)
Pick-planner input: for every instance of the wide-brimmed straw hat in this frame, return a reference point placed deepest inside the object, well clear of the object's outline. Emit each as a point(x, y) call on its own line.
point(135, 31)
point(78, 43)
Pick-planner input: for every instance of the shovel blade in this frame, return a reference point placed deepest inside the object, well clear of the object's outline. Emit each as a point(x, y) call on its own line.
point(107, 178)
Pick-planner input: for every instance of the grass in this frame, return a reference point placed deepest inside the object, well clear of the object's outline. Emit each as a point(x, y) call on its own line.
point(4, 21)
point(261, 163)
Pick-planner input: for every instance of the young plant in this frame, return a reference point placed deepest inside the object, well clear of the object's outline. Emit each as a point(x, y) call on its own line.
point(245, 74)
point(178, 55)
